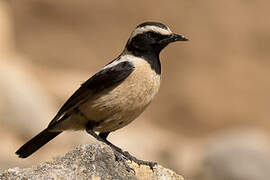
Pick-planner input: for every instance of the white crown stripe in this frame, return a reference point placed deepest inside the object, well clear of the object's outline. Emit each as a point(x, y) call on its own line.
point(159, 30)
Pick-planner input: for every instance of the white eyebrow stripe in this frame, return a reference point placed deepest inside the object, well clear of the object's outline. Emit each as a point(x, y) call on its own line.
point(159, 30)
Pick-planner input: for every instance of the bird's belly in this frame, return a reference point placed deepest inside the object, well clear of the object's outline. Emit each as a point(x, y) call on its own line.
point(118, 106)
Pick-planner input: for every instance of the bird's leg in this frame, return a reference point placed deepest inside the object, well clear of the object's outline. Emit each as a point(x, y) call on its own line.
point(103, 138)
point(104, 135)
point(125, 153)
point(117, 154)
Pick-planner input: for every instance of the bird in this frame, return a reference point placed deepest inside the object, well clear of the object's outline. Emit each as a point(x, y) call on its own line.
point(114, 96)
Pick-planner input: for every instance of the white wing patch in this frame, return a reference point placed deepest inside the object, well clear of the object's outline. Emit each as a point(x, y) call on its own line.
point(125, 57)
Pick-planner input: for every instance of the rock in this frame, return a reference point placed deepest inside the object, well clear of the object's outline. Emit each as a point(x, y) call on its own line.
point(241, 154)
point(94, 161)
point(7, 44)
point(23, 101)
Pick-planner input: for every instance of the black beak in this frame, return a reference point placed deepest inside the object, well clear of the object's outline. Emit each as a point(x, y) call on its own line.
point(173, 38)
point(177, 37)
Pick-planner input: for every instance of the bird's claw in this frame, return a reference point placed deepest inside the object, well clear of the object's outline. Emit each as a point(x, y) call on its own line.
point(126, 155)
point(120, 158)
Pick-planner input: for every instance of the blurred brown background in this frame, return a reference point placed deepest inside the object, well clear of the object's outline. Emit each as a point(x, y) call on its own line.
point(211, 117)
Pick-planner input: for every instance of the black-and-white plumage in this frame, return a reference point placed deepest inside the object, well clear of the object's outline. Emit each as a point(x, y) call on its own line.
point(115, 95)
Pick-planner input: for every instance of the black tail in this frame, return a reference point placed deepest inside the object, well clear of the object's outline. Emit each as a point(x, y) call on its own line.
point(36, 142)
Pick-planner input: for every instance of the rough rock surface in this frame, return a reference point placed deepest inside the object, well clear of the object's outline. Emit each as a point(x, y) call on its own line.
point(239, 154)
point(94, 161)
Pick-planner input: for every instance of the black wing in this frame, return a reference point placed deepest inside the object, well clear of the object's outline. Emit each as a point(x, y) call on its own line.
point(105, 78)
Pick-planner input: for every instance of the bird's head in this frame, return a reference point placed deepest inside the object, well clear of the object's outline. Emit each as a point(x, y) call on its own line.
point(151, 37)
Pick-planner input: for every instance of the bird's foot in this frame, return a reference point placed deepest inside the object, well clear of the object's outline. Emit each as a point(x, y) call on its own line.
point(120, 155)
point(126, 156)
point(129, 156)
point(120, 158)
point(138, 161)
